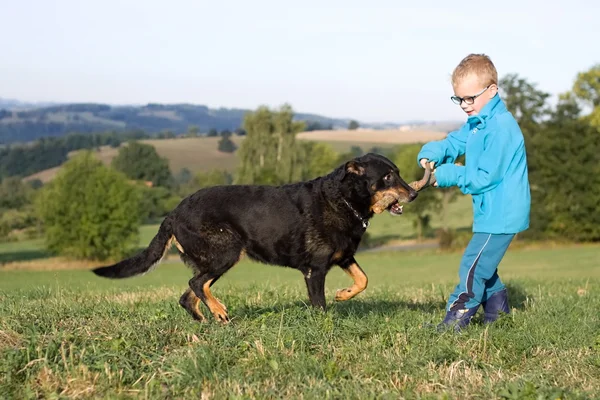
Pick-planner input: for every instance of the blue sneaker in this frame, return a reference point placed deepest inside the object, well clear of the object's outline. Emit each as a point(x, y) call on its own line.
point(457, 319)
point(498, 302)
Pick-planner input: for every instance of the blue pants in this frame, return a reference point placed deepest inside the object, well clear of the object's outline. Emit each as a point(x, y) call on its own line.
point(478, 271)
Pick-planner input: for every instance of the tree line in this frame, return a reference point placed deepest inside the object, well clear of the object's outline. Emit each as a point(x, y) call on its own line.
point(27, 159)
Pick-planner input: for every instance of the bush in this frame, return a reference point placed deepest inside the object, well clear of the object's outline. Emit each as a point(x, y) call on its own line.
point(156, 202)
point(13, 222)
point(89, 211)
point(452, 239)
point(140, 161)
point(226, 145)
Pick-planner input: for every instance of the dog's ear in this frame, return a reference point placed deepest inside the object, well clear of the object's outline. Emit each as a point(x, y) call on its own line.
point(355, 167)
point(351, 167)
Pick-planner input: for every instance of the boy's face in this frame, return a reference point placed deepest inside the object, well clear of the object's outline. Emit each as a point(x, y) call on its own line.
point(472, 95)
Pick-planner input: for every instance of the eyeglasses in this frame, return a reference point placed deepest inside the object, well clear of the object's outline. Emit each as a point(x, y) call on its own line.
point(467, 99)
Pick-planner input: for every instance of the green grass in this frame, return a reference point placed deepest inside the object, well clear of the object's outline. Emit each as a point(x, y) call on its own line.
point(24, 250)
point(28, 250)
point(70, 334)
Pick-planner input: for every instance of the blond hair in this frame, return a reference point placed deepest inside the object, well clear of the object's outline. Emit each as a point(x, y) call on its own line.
point(479, 65)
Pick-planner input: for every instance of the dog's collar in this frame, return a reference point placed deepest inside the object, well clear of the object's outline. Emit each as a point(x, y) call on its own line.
point(364, 221)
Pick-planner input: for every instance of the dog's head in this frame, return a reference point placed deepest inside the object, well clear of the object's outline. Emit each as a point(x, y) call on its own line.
point(376, 177)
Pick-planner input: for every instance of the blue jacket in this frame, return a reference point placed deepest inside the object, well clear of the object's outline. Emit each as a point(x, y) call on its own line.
point(495, 174)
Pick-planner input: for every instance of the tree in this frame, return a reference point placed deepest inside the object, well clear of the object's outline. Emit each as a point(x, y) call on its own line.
point(193, 131)
point(184, 176)
point(319, 159)
point(268, 154)
point(140, 161)
point(206, 179)
point(35, 183)
point(166, 135)
point(317, 126)
point(565, 181)
point(587, 89)
point(213, 133)
point(587, 86)
point(89, 211)
point(356, 151)
point(377, 150)
point(353, 125)
point(156, 202)
point(15, 220)
point(14, 193)
point(226, 145)
point(566, 108)
point(525, 102)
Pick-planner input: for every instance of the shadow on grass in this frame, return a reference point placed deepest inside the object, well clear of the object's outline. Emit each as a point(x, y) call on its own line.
point(385, 307)
point(517, 296)
point(353, 307)
point(347, 308)
point(22, 255)
point(371, 241)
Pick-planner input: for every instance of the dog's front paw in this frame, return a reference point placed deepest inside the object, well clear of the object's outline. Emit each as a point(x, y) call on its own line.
point(222, 317)
point(344, 294)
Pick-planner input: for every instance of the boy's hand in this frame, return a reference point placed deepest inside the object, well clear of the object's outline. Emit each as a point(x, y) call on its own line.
point(433, 181)
point(424, 161)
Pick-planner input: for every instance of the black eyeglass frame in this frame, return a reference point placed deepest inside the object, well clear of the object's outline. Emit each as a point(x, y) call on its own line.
point(467, 99)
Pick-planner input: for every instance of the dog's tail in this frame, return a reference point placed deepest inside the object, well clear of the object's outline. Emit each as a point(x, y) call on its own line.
point(143, 261)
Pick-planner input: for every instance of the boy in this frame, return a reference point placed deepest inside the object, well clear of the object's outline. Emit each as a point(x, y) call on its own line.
point(496, 177)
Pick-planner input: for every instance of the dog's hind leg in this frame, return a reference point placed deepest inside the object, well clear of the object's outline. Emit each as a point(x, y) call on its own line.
point(211, 251)
point(190, 302)
point(352, 268)
point(315, 283)
point(208, 273)
point(201, 286)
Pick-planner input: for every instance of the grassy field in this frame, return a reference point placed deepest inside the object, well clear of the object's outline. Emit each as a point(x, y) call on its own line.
point(373, 137)
point(65, 333)
point(70, 334)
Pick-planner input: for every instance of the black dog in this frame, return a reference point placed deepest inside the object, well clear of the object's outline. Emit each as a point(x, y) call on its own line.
point(309, 226)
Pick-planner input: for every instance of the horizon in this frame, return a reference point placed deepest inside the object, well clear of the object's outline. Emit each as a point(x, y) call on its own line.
point(45, 104)
point(339, 60)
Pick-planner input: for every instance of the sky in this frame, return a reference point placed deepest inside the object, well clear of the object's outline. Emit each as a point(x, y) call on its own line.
point(373, 61)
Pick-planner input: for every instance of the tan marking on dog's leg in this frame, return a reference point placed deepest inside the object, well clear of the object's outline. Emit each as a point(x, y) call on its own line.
point(191, 303)
point(337, 256)
point(242, 255)
point(217, 308)
point(360, 283)
point(176, 243)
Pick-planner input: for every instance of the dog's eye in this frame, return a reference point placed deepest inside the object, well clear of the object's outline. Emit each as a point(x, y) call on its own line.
point(388, 178)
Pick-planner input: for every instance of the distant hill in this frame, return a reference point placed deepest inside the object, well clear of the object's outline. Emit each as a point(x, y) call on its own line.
point(13, 104)
point(21, 124)
point(201, 154)
point(24, 122)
